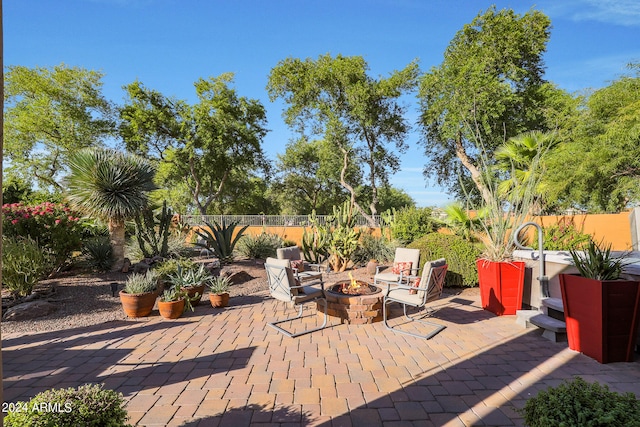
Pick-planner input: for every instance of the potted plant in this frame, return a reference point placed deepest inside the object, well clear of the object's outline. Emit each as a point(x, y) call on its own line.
point(600, 307)
point(501, 279)
point(508, 204)
point(191, 279)
point(139, 294)
point(219, 291)
point(175, 301)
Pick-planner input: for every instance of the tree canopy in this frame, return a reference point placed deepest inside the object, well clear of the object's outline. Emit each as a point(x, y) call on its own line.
point(489, 88)
point(360, 116)
point(598, 168)
point(202, 145)
point(51, 113)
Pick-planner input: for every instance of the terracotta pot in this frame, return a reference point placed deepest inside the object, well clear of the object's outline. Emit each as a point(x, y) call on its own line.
point(501, 285)
point(192, 290)
point(601, 316)
point(138, 305)
point(219, 300)
point(171, 309)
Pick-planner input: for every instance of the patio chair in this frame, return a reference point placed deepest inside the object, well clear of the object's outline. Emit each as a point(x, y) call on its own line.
point(302, 270)
point(418, 294)
point(406, 263)
point(284, 287)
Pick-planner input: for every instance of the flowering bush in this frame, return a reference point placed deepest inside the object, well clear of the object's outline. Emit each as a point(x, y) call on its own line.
point(54, 226)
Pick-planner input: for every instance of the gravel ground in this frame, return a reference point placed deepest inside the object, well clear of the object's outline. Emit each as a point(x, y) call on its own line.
point(85, 299)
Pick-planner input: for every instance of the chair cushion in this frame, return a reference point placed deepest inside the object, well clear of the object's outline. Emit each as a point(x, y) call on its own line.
point(403, 267)
point(404, 296)
point(426, 270)
point(291, 252)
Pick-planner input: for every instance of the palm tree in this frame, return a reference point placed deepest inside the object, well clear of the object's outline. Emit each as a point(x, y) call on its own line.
point(112, 186)
point(459, 221)
point(518, 156)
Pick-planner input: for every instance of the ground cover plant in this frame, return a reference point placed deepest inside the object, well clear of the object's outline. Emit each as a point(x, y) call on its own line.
point(89, 405)
point(580, 404)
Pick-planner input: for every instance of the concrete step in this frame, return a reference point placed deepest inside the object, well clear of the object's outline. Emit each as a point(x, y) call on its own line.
point(553, 329)
point(553, 307)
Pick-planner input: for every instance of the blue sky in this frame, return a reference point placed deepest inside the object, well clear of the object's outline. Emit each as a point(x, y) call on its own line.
point(169, 44)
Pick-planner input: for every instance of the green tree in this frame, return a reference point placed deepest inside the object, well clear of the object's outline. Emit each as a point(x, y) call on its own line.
point(598, 168)
point(199, 145)
point(309, 177)
point(360, 116)
point(51, 113)
point(112, 186)
point(488, 89)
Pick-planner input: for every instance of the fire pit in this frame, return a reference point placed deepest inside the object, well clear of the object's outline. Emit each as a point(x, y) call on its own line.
point(354, 302)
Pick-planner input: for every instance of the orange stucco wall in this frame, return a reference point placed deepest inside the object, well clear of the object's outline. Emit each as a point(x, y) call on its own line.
point(610, 228)
point(614, 229)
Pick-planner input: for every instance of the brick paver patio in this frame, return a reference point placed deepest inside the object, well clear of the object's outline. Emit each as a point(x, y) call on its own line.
point(226, 367)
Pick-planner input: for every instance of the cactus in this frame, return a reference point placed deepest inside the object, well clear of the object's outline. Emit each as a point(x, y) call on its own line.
point(152, 231)
point(315, 244)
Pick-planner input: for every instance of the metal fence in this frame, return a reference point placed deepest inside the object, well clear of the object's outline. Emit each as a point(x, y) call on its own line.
point(267, 220)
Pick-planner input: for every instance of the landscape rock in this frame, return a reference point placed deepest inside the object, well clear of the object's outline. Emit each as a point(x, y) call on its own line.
point(141, 267)
point(236, 276)
point(30, 310)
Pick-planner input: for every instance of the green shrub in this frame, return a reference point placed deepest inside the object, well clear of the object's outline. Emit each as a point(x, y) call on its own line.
point(372, 247)
point(98, 253)
point(169, 267)
point(24, 263)
point(409, 224)
point(460, 254)
point(260, 246)
point(562, 236)
point(87, 406)
point(55, 227)
point(578, 403)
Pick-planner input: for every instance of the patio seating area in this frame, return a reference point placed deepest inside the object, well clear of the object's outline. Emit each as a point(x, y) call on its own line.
point(228, 367)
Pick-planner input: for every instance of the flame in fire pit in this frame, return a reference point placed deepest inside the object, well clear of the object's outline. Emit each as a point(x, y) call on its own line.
point(354, 282)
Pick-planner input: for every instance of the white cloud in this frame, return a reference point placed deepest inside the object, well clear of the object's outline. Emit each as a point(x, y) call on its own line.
point(619, 12)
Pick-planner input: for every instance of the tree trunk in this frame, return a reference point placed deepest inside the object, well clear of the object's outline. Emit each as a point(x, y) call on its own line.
point(117, 240)
point(345, 164)
point(476, 175)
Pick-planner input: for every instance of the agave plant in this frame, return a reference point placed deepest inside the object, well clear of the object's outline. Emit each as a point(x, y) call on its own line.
point(219, 238)
point(597, 262)
point(189, 277)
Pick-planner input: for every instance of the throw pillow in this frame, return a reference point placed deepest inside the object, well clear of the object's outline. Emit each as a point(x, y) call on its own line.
point(297, 264)
point(402, 267)
point(415, 284)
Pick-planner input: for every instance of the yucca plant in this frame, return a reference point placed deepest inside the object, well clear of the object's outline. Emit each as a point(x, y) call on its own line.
point(111, 185)
point(599, 263)
point(219, 238)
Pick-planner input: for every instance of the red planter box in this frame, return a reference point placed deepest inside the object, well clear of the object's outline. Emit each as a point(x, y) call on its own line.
point(501, 285)
point(601, 316)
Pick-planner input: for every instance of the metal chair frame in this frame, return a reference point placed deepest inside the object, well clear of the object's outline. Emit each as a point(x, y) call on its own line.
point(432, 291)
point(282, 289)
